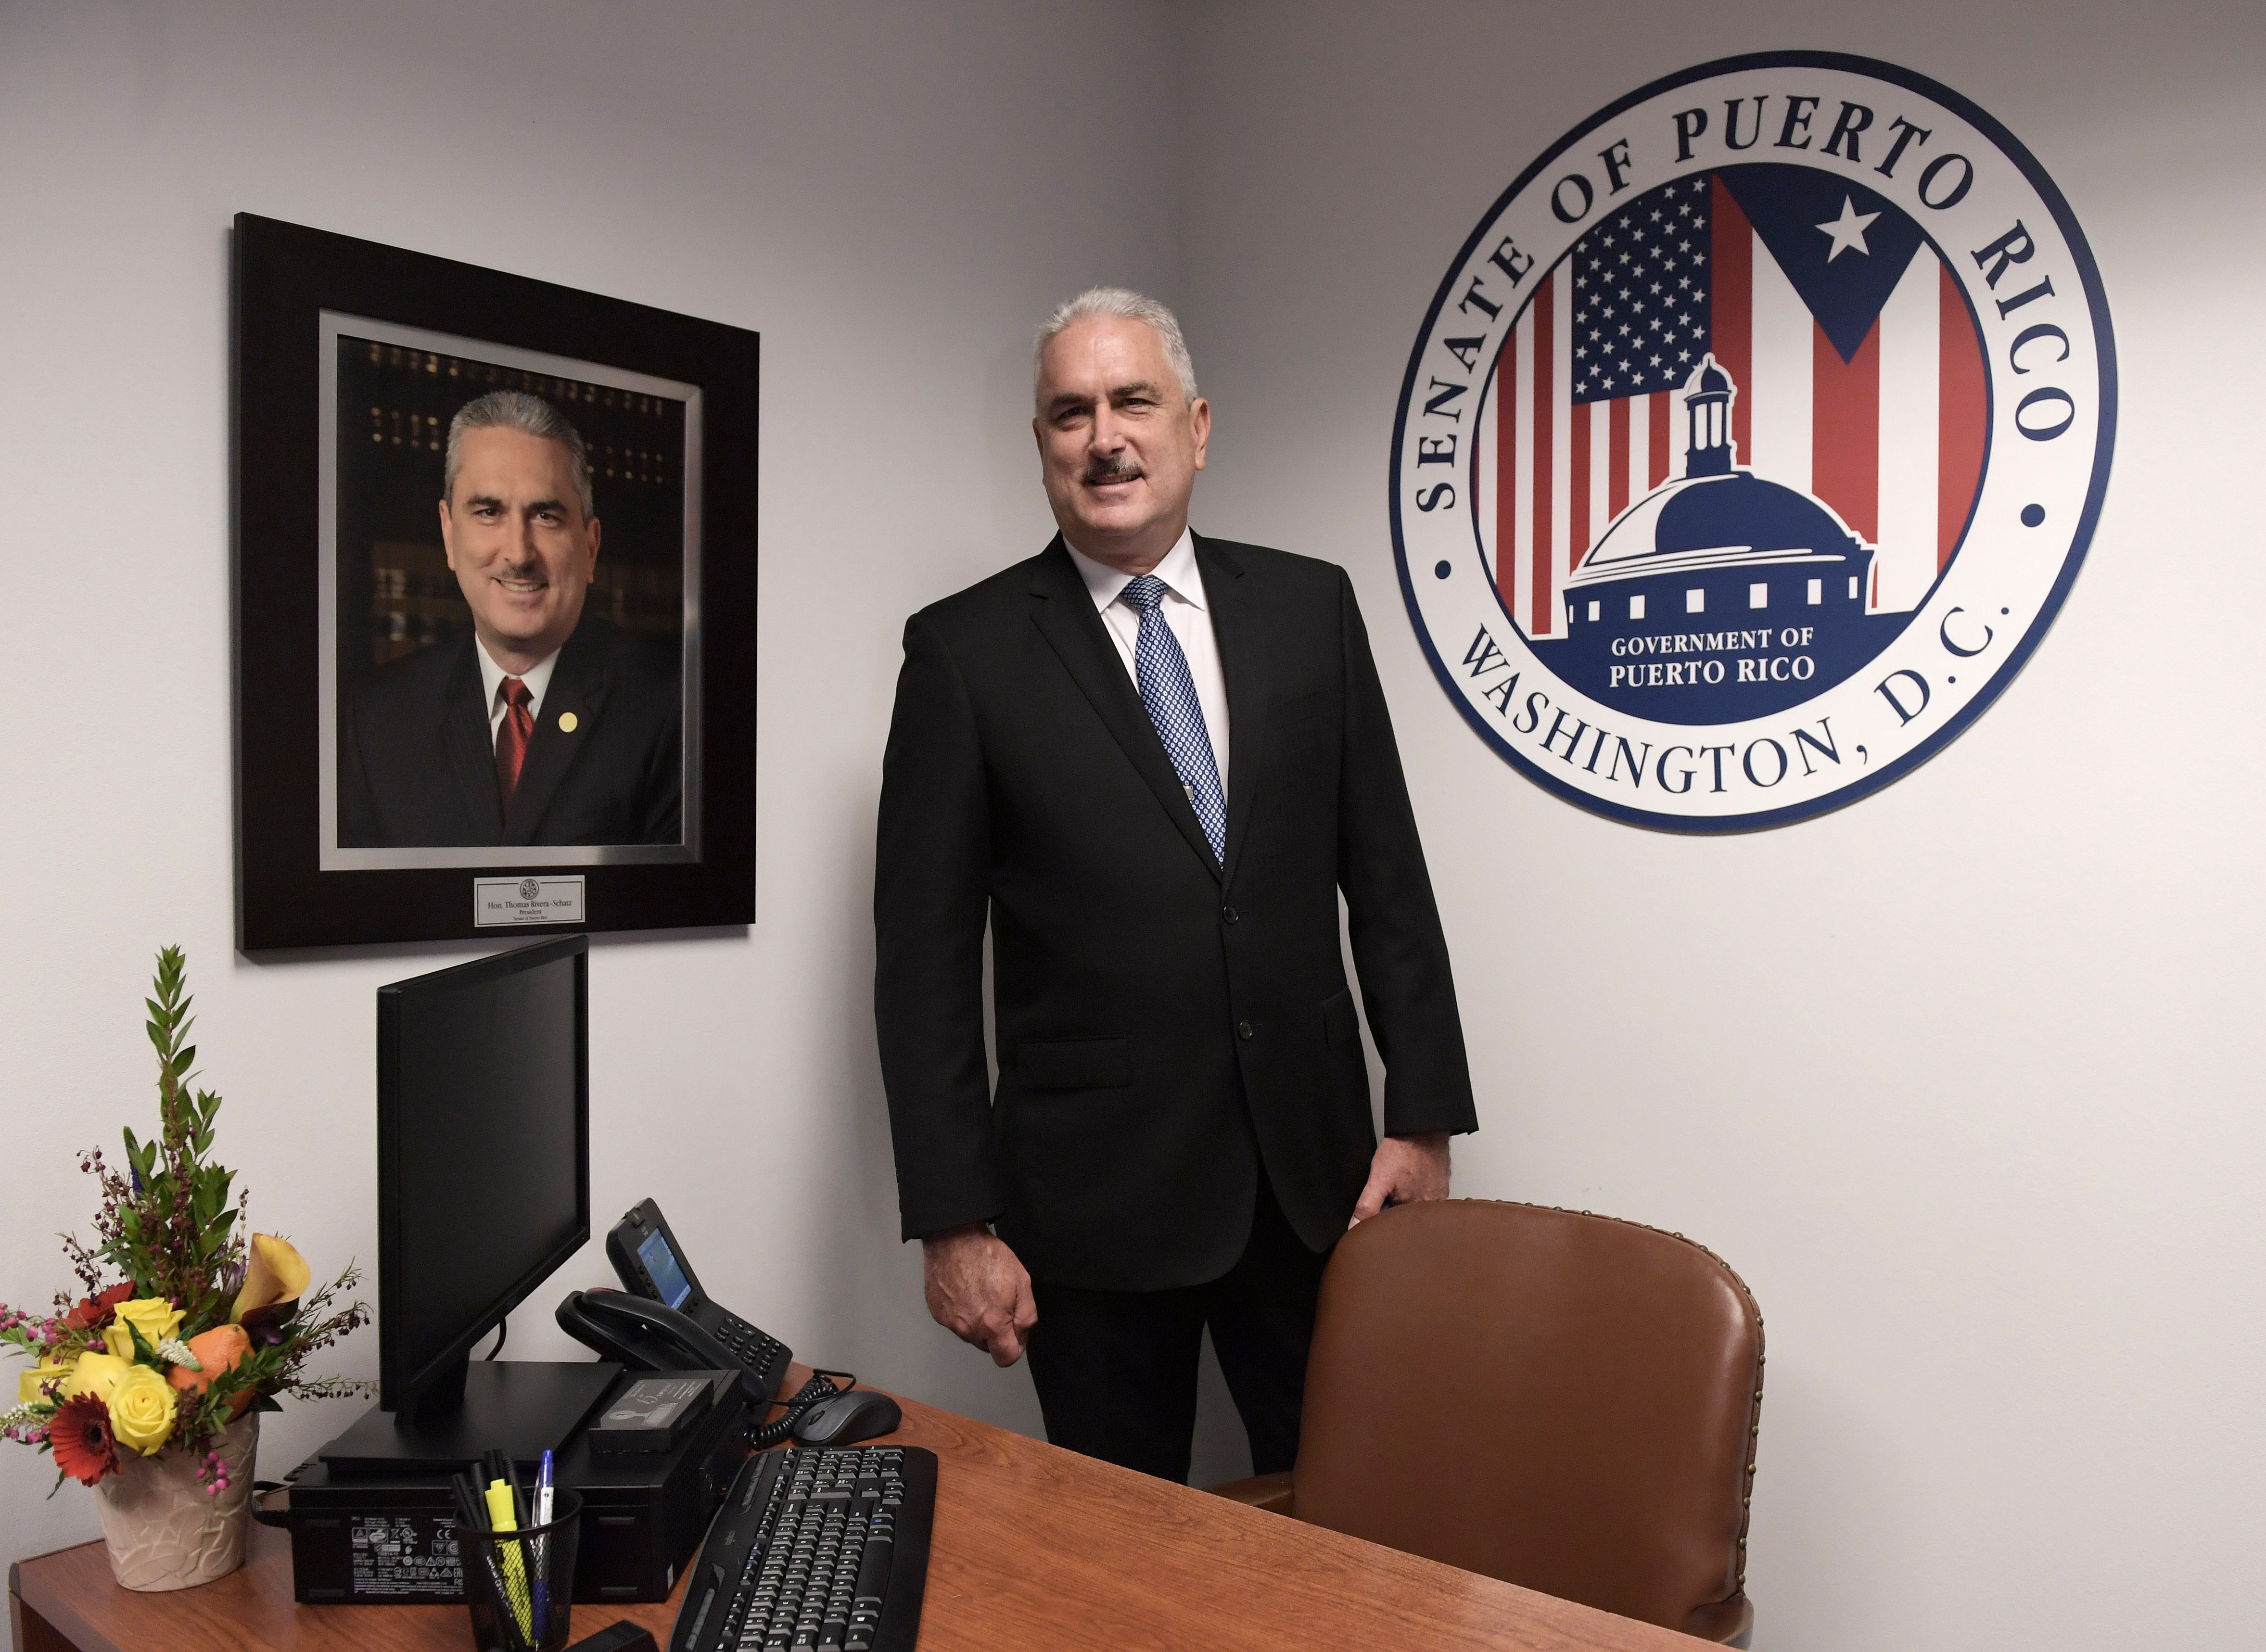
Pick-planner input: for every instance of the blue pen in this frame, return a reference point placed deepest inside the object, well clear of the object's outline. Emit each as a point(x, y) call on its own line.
point(542, 1500)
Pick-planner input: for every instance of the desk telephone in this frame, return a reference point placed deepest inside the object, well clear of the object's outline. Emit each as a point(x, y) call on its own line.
point(661, 1319)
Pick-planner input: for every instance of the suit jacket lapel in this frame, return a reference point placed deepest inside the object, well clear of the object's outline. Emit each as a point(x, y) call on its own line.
point(1066, 617)
point(1236, 626)
point(578, 689)
point(472, 755)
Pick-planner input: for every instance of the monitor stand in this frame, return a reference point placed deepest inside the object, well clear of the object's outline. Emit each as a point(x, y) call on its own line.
point(521, 1407)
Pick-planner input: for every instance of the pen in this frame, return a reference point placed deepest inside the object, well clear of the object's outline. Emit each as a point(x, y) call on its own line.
point(541, 1590)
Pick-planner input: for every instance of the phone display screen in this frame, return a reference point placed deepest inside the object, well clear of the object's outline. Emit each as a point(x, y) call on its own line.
point(661, 1266)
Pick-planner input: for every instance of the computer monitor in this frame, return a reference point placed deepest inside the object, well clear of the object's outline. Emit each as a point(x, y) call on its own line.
point(483, 1192)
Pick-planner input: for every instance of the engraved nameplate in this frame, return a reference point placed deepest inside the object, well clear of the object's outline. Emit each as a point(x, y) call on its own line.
point(507, 902)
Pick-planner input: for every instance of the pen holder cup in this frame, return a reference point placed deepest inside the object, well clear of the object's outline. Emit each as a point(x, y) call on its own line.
point(520, 1585)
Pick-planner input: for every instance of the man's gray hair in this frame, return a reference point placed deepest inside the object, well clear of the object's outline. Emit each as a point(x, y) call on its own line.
point(1127, 305)
point(530, 415)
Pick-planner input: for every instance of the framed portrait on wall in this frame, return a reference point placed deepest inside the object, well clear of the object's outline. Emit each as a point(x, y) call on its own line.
point(495, 588)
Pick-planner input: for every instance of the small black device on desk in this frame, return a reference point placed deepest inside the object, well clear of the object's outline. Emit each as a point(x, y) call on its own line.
point(814, 1548)
point(651, 1415)
point(680, 1326)
point(622, 1637)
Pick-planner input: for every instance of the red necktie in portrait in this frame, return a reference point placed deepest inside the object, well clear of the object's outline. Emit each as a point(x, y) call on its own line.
point(512, 737)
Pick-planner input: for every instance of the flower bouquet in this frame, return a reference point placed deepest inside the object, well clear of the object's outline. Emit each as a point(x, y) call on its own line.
point(149, 1388)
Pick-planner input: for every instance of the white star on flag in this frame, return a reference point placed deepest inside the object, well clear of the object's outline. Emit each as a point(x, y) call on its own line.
point(1848, 230)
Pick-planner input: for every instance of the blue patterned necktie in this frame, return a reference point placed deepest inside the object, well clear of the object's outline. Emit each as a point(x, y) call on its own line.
point(1170, 694)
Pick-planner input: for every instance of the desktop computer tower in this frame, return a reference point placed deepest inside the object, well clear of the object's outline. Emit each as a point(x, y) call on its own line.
point(390, 1537)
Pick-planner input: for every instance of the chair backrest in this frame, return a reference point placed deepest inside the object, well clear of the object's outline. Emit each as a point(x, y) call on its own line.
point(1562, 1400)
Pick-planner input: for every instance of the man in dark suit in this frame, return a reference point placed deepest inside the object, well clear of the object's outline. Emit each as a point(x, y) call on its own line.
point(1151, 761)
point(546, 724)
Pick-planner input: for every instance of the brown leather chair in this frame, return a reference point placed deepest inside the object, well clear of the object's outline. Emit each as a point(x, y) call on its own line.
point(1562, 1400)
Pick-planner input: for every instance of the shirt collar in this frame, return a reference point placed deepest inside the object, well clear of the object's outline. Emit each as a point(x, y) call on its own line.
point(1105, 584)
point(538, 677)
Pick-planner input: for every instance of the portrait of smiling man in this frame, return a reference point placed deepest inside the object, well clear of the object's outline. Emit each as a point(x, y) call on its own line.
point(543, 724)
point(1151, 762)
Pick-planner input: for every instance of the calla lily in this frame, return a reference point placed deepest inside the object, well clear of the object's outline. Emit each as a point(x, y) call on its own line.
point(274, 1278)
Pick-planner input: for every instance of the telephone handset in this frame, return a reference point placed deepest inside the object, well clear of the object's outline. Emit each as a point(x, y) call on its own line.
point(663, 1322)
point(646, 1335)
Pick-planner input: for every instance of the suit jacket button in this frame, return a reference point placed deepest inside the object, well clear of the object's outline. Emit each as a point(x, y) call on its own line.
point(1227, 914)
point(1243, 1029)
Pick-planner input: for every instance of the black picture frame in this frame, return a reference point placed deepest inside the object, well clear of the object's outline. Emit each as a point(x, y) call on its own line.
point(305, 297)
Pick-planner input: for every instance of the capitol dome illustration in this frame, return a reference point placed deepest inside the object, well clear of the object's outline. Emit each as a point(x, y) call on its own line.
point(1718, 540)
point(1720, 593)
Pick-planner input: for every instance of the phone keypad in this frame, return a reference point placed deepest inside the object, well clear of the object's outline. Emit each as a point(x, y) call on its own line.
point(753, 1347)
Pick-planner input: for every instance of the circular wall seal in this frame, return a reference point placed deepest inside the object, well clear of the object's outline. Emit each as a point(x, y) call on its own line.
point(1752, 441)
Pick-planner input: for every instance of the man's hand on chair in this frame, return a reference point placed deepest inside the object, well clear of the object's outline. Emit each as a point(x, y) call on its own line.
point(1405, 1170)
point(979, 1292)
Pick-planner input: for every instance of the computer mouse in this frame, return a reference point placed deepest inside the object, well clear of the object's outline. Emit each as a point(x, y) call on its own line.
point(860, 1414)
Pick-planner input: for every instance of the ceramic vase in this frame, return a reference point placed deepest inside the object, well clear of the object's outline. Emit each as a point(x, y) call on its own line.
point(163, 1529)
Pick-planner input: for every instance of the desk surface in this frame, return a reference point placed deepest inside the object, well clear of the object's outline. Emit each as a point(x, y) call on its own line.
point(1033, 1547)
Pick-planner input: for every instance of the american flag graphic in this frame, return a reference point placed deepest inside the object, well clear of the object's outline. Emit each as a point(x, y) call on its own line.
point(1858, 369)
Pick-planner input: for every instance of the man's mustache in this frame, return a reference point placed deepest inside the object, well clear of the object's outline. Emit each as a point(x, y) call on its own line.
point(1099, 472)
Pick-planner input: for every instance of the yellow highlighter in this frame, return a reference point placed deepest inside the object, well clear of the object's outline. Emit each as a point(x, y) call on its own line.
point(504, 1516)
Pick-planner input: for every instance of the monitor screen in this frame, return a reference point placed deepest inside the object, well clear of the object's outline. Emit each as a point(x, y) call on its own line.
point(484, 1158)
point(660, 1266)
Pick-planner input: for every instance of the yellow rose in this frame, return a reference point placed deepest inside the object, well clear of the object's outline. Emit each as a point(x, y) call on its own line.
point(141, 1410)
point(30, 1384)
point(96, 1374)
point(154, 1317)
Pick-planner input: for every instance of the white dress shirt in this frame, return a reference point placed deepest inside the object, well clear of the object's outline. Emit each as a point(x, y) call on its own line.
point(537, 678)
point(1185, 611)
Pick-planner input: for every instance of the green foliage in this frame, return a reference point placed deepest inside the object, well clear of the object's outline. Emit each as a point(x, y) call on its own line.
point(143, 1354)
point(166, 1224)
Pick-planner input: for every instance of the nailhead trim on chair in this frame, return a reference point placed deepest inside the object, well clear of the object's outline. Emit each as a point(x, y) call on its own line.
point(1754, 1416)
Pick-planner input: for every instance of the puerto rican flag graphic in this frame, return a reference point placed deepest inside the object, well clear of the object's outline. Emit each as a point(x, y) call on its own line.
point(1858, 371)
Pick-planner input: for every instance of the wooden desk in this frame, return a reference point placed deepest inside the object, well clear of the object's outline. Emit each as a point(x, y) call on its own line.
point(1033, 1547)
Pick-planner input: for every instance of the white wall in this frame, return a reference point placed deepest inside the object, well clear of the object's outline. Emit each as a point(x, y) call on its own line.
point(891, 193)
point(1963, 1079)
point(1956, 1078)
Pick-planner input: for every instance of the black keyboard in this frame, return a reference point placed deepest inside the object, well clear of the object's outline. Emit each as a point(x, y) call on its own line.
point(765, 1355)
point(814, 1550)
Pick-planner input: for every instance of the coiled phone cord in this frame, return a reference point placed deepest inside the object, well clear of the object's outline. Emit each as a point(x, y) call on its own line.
point(823, 1385)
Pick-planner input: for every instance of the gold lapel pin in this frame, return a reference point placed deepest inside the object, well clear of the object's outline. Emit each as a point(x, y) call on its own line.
point(568, 722)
